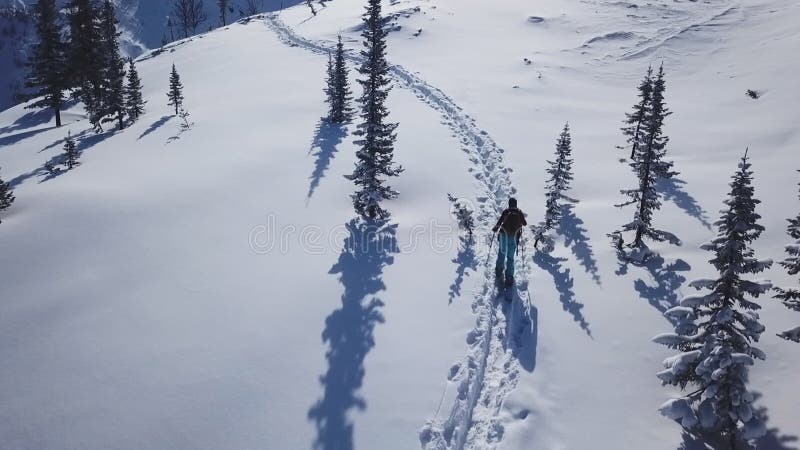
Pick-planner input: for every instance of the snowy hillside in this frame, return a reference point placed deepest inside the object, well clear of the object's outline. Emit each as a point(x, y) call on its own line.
point(212, 289)
point(143, 24)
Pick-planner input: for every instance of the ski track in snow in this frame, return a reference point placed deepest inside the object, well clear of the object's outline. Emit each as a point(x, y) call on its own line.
point(490, 369)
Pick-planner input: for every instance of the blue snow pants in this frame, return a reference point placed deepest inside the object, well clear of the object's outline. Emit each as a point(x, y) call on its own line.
point(506, 249)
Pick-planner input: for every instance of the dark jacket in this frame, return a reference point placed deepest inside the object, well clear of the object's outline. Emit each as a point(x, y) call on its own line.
point(511, 222)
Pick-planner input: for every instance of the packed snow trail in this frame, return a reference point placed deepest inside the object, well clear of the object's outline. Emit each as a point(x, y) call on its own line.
point(497, 346)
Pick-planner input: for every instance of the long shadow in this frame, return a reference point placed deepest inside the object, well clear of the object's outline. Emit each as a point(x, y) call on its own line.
point(155, 125)
point(327, 136)
point(83, 141)
point(774, 439)
point(14, 138)
point(564, 284)
point(465, 261)
point(522, 327)
point(34, 118)
point(571, 227)
point(672, 189)
point(662, 295)
point(349, 330)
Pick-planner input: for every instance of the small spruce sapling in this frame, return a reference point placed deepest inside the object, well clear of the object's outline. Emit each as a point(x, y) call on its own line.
point(71, 153)
point(463, 213)
point(175, 94)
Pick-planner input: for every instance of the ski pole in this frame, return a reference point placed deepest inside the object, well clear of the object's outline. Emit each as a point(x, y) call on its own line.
point(489, 253)
point(494, 236)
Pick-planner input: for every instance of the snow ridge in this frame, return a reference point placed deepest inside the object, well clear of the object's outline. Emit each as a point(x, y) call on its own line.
point(490, 369)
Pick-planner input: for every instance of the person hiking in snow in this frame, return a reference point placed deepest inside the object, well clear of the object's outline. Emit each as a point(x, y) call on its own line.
point(509, 226)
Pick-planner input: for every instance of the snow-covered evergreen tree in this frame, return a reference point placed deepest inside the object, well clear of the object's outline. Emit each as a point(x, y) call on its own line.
point(715, 331)
point(6, 196)
point(463, 214)
point(85, 62)
point(560, 172)
point(47, 63)
point(175, 93)
point(560, 176)
point(634, 120)
point(70, 153)
point(341, 112)
point(791, 296)
point(650, 167)
point(114, 67)
point(375, 156)
point(134, 103)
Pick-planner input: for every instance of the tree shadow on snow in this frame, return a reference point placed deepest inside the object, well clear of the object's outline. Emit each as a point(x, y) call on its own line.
point(327, 136)
point(522, 327)
point(662, 295)
point(155, 125)
point(83, 141)
point(465, 261)
point(570, 226)
point(773, 440)
point(564, 284)
point(31, 119)
point(36, 117)
point(672, 189)
point(14, 138)
point(349, 330)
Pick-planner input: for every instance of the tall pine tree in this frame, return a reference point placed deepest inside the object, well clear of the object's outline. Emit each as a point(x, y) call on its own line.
point(341, 112)
point(560, 172)
point(47, 71)
point(650, 167)
point(6, 196)
point(791, 296)
point(634, 120)
point(134, 104)
point(85, 66)
point(715, 330)
point(175, 93)
point(114, 96)
point(375, 156)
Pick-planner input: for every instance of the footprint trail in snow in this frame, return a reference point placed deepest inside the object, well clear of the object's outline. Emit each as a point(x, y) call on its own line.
point(503, 339)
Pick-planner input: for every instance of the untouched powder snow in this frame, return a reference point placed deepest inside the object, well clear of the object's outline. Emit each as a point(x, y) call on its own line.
point(211, 289)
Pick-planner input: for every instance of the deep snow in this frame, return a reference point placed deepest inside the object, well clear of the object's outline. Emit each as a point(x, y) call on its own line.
point(137, 314)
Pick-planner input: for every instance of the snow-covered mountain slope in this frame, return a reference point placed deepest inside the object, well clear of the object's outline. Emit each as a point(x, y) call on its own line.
point(143, 24)
point(144, 308)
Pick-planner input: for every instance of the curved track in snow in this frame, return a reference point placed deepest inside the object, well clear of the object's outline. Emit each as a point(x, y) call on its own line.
point(500, 343)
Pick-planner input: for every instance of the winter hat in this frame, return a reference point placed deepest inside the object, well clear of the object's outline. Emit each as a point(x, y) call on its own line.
point(512, 202)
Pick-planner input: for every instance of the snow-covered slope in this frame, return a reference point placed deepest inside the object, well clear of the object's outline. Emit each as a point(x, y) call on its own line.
point(143, 306)
point(143, 24)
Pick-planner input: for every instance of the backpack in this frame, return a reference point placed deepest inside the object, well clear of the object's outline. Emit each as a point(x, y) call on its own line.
point(513, 221)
